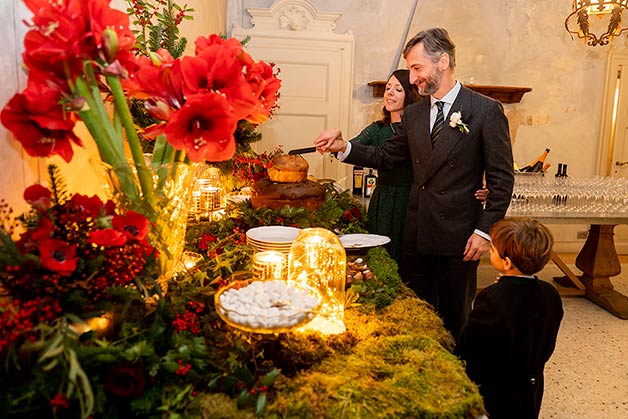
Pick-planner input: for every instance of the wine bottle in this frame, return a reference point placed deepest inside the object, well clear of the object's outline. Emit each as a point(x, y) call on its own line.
point(537, 164)
point(370, 182)
point(358, 177)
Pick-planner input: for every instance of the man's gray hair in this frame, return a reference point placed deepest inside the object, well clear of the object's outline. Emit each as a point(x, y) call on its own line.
point(436, 41)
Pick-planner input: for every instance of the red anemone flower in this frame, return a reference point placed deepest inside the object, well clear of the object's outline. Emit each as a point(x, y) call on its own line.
point(132, 224)
point(204, 128)
point(107, 237)
point(58, 256)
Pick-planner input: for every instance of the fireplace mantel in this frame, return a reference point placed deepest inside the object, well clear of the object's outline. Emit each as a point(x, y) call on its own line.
point(505, 94)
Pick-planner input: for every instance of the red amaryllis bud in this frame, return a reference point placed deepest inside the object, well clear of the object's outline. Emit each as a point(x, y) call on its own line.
point(38, 196)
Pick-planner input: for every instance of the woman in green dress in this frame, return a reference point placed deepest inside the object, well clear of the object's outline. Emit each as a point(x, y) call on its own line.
point(387, 206)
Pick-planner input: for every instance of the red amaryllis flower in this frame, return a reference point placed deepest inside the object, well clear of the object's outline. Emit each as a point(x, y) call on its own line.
point(265, 85)
point(204, 128)
point(107, 237)
point(58, 256)
point(126, 380)
point(39, 123)
point(54, 39)
point(65, 33)
point(86, 206)
point(38, 196)
point(132, 224)
point(217, 68)
point(158, 79)
point(231, 44)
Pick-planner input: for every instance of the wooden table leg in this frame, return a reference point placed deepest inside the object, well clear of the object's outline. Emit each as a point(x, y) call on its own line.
point(571, 284)
point(598, 262)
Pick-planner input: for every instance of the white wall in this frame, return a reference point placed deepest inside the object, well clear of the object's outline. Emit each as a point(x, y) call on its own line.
point(509, 42)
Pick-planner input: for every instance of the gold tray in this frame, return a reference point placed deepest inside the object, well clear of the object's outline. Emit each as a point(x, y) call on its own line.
point(230, 316)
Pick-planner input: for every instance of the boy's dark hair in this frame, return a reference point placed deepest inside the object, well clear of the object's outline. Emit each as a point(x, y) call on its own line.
point(526, 242)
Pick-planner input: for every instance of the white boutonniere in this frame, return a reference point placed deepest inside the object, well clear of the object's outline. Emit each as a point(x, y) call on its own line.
point(455, 121)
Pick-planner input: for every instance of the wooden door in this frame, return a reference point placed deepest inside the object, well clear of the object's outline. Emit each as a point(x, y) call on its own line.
point(613, 159)
point(310, 102)
point(316, 69)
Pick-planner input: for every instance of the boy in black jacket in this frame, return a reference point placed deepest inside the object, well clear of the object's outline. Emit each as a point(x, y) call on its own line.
point(512, 328)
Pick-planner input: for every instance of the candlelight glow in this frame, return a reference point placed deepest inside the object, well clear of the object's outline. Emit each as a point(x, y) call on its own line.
point(269, 265)
point(317, 259)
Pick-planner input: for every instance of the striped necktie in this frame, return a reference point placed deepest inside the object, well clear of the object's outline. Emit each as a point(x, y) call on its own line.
point(438, 124)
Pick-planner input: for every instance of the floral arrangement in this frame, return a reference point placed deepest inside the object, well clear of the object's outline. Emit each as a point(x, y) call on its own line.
point(455, 121)
point(82, 65)
point(71, 251)
point(79, 55)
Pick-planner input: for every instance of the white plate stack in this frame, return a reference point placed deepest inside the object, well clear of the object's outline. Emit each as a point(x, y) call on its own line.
point(277, 238)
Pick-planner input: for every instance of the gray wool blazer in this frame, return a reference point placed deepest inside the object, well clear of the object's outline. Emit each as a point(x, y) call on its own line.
point(443, 211)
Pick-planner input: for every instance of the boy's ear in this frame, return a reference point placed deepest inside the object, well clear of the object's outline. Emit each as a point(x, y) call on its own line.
point(507, 263)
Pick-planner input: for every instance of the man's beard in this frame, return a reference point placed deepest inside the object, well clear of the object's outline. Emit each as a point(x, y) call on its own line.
point(432, 83)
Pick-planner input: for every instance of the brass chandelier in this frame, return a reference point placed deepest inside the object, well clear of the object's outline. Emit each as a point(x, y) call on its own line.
point(577, 23)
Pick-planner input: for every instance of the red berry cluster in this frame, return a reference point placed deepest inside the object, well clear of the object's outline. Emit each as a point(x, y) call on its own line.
point(183, 368)
point(190, 319)
point(18, 318)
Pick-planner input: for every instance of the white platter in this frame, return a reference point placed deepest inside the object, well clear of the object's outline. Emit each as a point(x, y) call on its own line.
point(273, 234)
point(363, 241)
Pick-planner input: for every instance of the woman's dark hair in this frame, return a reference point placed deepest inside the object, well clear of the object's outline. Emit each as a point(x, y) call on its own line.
point(412, 94)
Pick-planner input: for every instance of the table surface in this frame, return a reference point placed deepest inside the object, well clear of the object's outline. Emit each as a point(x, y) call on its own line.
point(566, 217)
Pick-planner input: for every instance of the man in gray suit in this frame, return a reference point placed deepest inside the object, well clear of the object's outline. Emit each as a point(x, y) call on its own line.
point(457, 139)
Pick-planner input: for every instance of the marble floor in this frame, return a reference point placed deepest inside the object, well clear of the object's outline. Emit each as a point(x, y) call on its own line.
point(587, 376)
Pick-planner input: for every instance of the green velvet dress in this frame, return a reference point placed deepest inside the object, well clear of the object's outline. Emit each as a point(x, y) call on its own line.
point(387, 207)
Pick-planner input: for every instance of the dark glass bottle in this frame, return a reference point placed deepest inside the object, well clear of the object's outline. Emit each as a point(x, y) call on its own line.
point(370, 182)
point(537, 164)
point(358, 180)
point(559, 171)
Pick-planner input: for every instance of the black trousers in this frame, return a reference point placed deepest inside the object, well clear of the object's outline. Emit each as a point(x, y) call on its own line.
point(446, 282)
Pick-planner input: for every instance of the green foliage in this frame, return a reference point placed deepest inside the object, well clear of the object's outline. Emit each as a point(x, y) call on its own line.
point(158, 22)
point(57, 185)
point(385, 287)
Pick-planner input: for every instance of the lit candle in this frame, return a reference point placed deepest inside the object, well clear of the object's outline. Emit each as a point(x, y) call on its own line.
point(269, 265)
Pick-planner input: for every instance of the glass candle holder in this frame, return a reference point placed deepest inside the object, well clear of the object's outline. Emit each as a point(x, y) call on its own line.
point(269, 265)
point(317, 259)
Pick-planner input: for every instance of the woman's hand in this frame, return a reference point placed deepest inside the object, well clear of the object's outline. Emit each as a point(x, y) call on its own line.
point(481, 195)
point(330, 141)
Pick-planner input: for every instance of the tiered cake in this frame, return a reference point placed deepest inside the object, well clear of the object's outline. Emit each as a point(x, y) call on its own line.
point(287, 185)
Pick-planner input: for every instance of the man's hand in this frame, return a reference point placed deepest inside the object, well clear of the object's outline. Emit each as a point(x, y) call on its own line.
point(476, 247)
point(330, 141)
